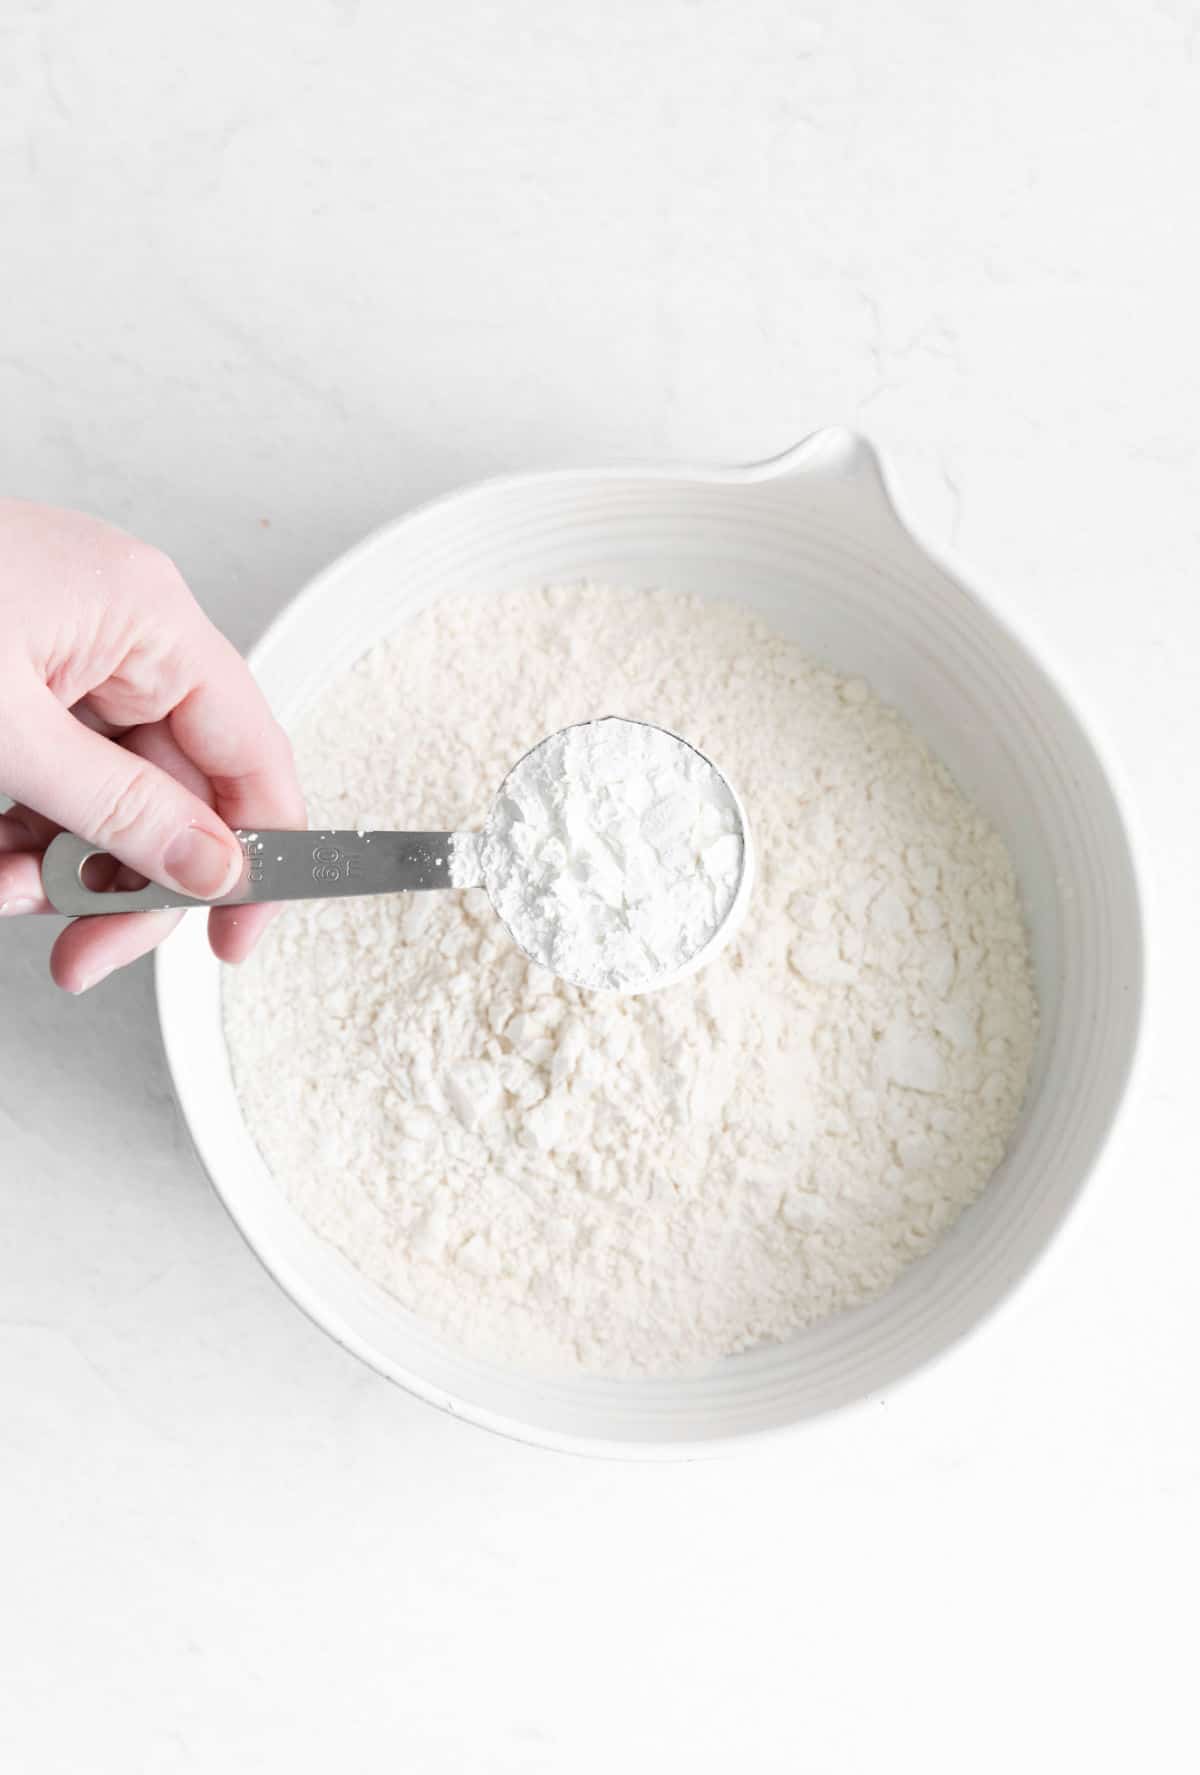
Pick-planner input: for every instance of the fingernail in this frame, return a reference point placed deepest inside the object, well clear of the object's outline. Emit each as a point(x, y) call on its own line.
point(87, 981)
point(200, 863)
point(13, 908)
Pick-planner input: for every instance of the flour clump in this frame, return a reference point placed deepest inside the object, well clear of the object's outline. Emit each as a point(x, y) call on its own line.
point(566, 1180)
point(614, 854)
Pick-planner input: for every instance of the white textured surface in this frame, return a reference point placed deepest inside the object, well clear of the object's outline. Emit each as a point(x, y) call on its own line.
point(308, 264)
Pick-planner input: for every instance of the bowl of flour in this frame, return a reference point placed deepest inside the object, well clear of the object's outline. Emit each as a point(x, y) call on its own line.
point(658, 1224)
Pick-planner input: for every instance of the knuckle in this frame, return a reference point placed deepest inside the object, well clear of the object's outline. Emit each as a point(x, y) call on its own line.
point(148, 571)
point(160, 574)
point(122, 807)
point(141, 701)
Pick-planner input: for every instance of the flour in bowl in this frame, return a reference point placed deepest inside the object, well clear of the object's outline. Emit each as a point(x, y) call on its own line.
point(638, 1185)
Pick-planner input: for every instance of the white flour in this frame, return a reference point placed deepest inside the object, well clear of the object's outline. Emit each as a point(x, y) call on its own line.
point(613, 854)
point(639, 1184)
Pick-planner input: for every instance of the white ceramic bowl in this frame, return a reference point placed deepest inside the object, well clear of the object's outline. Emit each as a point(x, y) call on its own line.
point(813, 541)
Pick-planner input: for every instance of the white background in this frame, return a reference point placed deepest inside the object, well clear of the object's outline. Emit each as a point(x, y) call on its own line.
point(270, 273)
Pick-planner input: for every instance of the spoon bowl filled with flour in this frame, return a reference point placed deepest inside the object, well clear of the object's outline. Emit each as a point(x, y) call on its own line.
point(616, 854)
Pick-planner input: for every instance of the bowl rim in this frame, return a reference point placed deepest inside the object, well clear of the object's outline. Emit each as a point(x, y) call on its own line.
point(837, 452)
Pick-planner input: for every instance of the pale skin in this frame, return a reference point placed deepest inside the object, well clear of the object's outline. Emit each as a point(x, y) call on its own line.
point(126, 717)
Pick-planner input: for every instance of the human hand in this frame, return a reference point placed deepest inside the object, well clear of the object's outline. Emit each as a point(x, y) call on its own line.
point(126, 717)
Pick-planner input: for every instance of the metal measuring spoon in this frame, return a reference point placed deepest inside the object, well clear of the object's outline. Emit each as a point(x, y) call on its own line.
point(328, 865)
point(320, 865)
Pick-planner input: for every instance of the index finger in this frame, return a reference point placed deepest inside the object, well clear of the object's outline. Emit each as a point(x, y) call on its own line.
point(225, 726)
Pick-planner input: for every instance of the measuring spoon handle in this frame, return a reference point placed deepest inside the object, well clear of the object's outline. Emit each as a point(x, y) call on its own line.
point(278, 866)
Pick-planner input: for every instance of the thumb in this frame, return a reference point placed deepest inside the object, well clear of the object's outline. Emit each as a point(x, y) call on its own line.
point(120, 802)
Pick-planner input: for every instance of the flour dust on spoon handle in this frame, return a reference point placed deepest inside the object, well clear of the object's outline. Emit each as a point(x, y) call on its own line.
point(278, 866)
point(615, 853)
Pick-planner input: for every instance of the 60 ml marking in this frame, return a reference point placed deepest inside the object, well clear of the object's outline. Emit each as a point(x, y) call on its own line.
point(332, 864)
